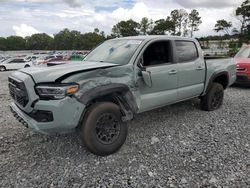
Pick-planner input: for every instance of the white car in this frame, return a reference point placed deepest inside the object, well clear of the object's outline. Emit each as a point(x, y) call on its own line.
point(14, 63)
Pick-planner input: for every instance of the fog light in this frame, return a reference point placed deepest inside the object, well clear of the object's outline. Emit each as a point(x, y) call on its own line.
point(42, 116)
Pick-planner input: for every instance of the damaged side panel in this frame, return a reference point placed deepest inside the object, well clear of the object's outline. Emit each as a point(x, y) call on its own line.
point(117, 82)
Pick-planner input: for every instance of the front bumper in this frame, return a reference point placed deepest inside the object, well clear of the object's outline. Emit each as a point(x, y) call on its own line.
point(66, 116)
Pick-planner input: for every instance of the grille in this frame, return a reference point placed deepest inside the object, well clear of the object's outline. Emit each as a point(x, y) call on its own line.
point(18, 91)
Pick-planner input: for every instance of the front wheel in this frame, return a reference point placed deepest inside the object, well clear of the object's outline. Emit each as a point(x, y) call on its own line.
point(102, 130)
point(2, 68)
point(214, 98)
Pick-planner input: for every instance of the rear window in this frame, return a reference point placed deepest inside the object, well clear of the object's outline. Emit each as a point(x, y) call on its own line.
point(186, 51)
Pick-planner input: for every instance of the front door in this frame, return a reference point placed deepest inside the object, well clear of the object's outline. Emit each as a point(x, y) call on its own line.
point(162, 72)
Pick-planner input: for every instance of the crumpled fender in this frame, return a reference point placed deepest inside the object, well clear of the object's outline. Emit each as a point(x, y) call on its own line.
point(116, 81)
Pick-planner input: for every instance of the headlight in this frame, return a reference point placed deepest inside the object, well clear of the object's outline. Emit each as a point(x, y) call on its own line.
point(56, 91)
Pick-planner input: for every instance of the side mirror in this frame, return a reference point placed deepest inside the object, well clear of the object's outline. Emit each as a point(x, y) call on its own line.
point(140, 63)
point(146, 75)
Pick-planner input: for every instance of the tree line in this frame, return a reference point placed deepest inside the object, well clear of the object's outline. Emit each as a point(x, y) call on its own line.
point(242, 14)
point(64, 40)
point(179, 22)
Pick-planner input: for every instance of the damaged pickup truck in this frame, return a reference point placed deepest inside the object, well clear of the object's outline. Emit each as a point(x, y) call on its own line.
point(118, 79)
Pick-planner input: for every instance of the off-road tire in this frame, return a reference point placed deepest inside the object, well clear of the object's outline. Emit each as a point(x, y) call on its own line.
point(214, 98)
point(103, 118)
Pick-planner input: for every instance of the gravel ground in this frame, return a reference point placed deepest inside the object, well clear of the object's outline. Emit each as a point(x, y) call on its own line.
point(175, 146)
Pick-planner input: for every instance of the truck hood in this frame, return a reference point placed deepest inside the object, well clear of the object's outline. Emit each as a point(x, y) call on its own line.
point(51, 74)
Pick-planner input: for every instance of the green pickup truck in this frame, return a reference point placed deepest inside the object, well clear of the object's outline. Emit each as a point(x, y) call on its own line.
point(117, 80)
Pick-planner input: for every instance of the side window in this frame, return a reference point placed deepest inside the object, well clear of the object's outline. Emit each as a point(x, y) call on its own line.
point(158, 53)
point(17, 61)
point(13, 61)
point(186, 51)
point(21, 61)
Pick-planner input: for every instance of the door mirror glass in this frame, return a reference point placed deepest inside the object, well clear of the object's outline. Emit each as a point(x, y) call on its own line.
point(147, 78)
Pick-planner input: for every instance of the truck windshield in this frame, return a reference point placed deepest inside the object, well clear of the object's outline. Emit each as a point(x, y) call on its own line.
point(117, 51)
point(243, 53)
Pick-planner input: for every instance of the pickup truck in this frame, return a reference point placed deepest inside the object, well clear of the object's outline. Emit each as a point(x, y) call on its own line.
point(117, 80)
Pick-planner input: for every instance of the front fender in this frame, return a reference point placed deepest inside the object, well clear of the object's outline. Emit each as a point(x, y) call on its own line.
point(121, 91)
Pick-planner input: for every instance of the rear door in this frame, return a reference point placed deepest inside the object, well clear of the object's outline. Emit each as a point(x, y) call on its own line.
point(191, 70)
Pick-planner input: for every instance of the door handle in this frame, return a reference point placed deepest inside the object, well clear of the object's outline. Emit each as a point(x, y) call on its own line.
point(172, 72)
point(199, 68)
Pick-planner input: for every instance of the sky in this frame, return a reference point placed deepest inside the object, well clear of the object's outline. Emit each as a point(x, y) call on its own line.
point(27, 17)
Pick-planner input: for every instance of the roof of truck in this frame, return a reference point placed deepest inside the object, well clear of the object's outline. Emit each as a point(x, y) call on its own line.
point(150, 37)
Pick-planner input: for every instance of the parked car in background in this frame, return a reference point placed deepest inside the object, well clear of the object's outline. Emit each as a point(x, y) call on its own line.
point(54, 63)
point(2, 59)
point(45, 59)
point(56, 58)
point(39, 60)
point(71, 59)
point(14, 63)
point(31, 58)
point(242, 59)
point(76, 57)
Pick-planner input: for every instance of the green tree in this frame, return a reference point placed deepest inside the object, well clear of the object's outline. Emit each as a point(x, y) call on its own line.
point(3, 46)
point(180, 19)
point(90, 40)
point(67, 40)
point(194, 20)
point(96, 30)
point(243, 11)
point(63, 40)
point(163, 27)
point(223, 25)
point(102, 33)
point(146, 26)
point(76, 40)
point(126, 28)
point(247, 34)
point(243, 14)
point(15, 43)
point(40, 41)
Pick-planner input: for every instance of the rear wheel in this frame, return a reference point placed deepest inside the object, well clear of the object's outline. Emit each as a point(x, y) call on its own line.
point(2, 68)
point(102, 130)
point(214, 98)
